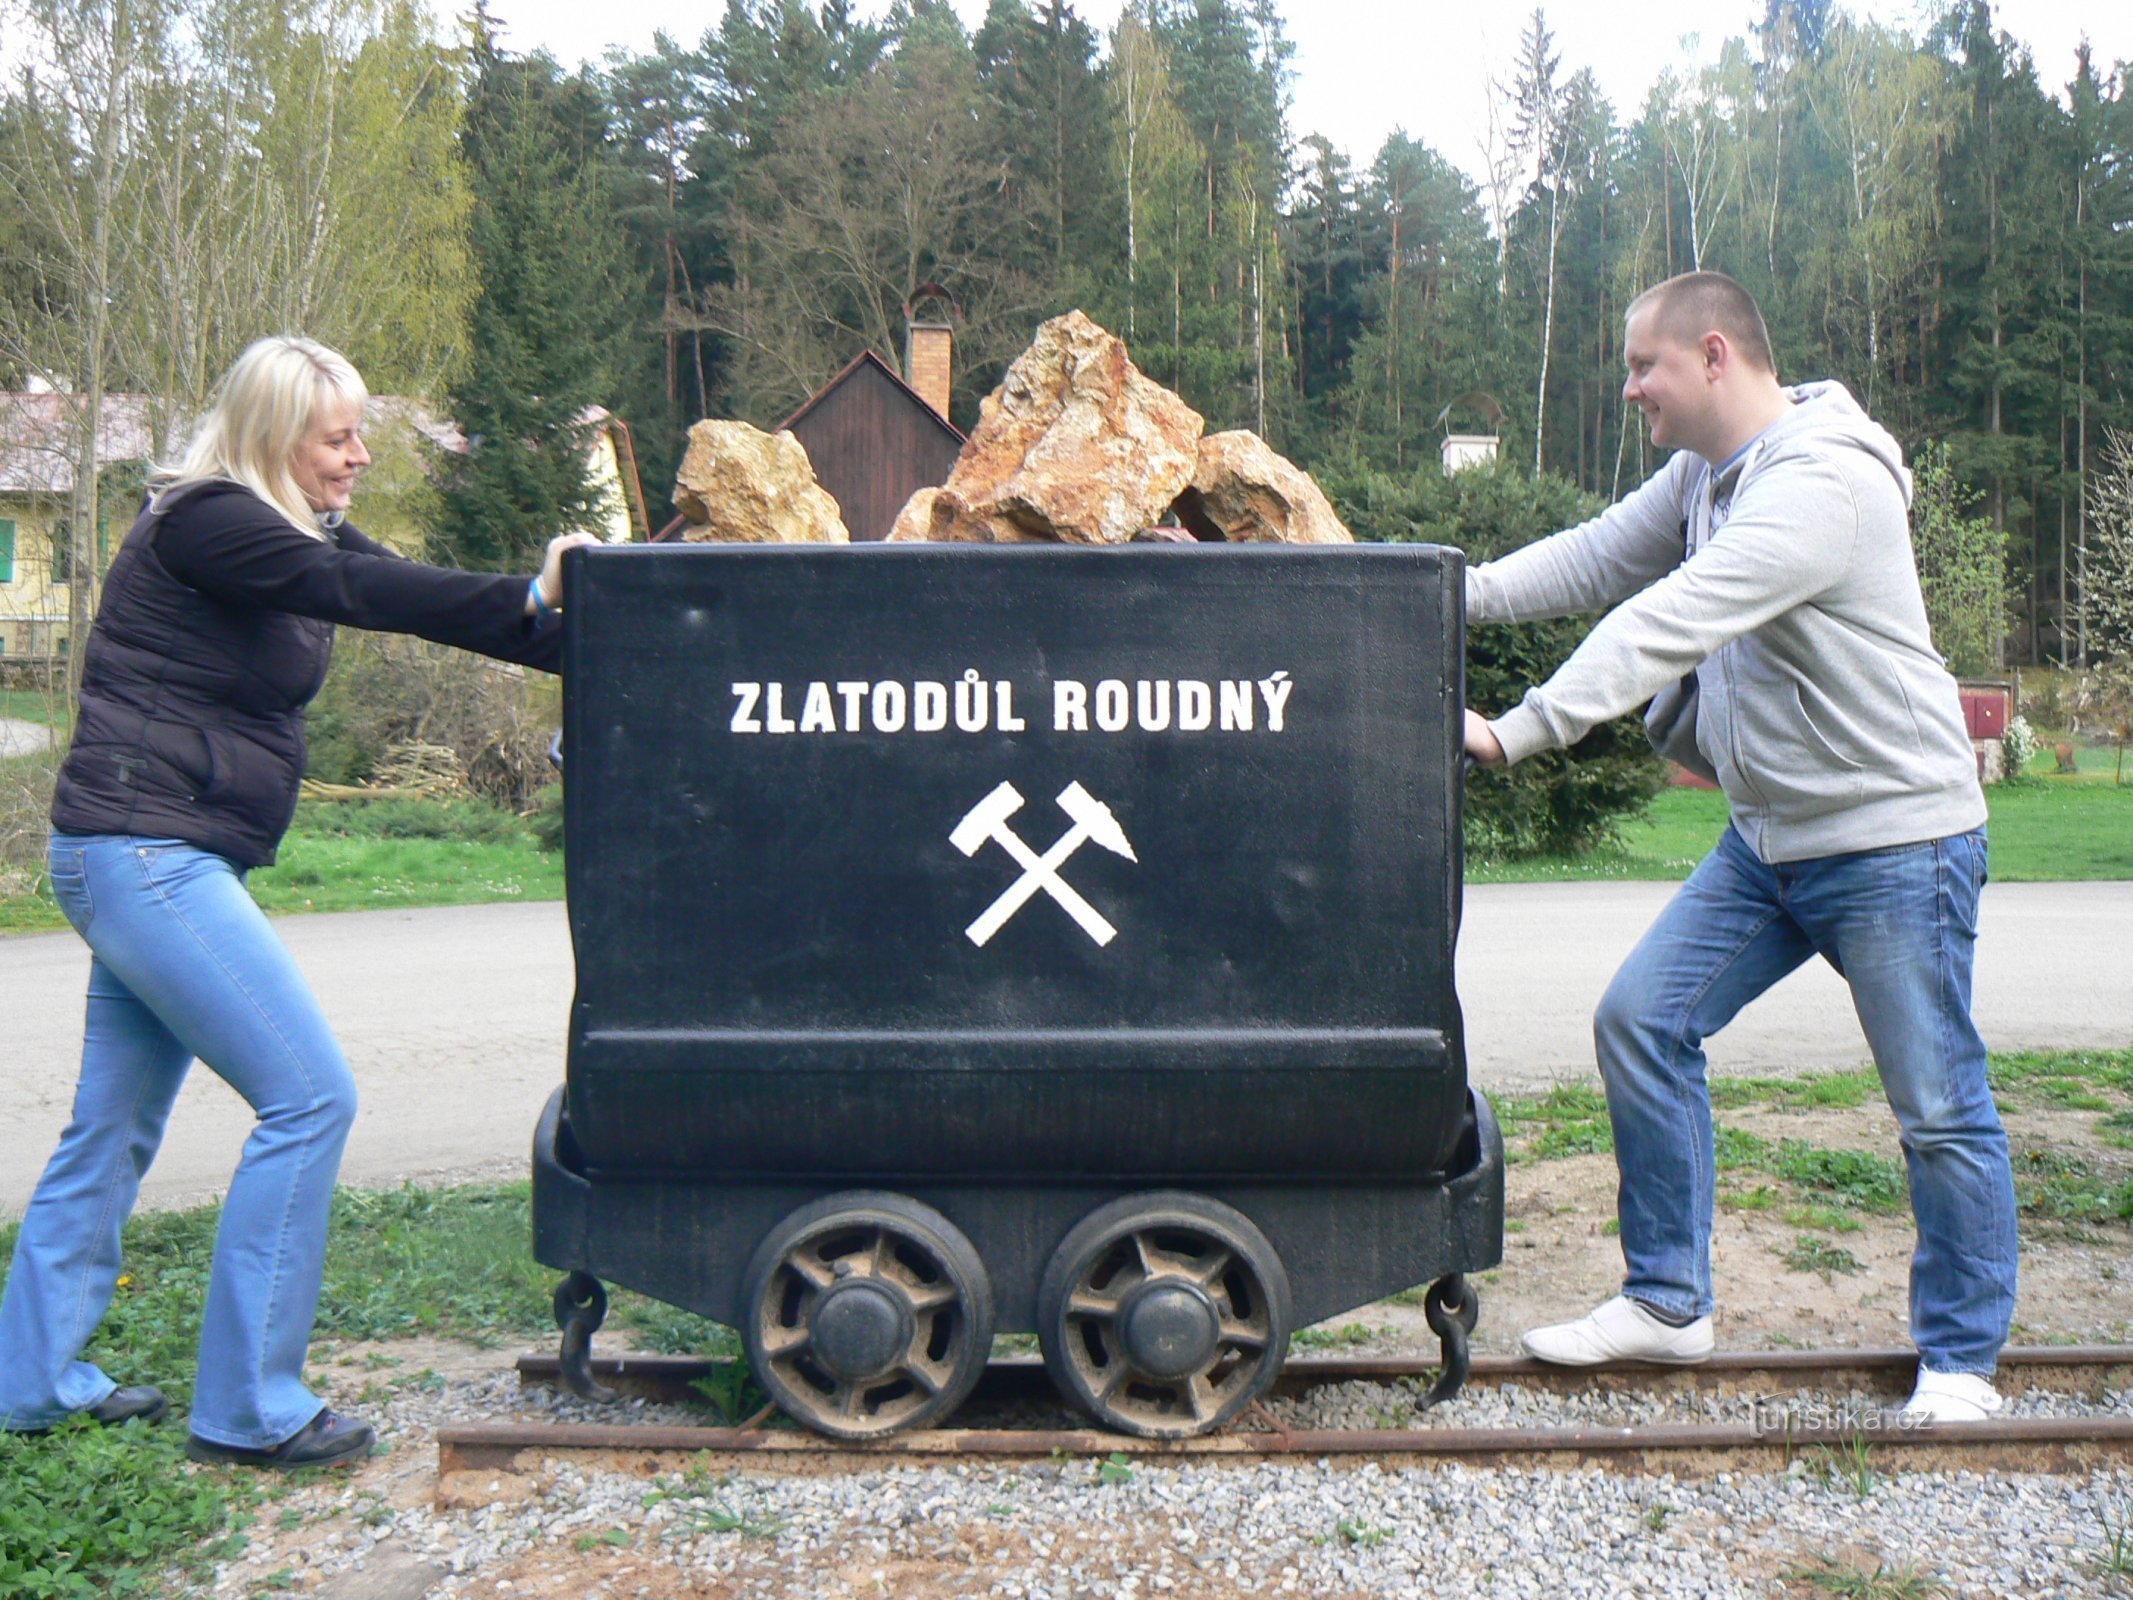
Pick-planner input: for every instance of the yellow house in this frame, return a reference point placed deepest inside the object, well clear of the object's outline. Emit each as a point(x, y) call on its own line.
point(38, 434)
point(38, 451)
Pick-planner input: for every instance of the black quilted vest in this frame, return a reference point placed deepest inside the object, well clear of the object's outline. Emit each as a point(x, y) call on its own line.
point(191, 722)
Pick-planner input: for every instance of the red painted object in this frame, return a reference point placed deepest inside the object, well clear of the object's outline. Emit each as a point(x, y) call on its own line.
point(1681, 778)
point(1987, 709)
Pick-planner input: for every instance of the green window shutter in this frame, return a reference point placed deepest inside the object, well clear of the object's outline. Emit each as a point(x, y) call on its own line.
point(7, 550)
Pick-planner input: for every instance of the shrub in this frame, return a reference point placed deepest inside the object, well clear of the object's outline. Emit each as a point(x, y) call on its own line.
point(2103, 701)
point(385, 690)
point(2018, 746)
point(25, 819)
point(399, 817)
point(546, 819)
point(2107, 573)
point(1561, 802)
point(1962, 566)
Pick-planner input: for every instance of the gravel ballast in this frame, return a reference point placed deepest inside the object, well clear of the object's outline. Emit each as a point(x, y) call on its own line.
point(1069, 1528)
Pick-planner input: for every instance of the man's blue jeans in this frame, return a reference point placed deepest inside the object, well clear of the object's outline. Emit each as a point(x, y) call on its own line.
point(1900, 925)
point(185, 966)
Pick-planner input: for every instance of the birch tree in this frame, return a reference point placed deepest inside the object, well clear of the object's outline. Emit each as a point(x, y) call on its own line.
point(1151, 148)
point(75, 174)
point(1880, 105)
point(1701, 148)
point(191, 174)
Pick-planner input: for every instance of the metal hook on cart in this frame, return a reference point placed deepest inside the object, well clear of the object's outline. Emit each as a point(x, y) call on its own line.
point(580, 1308)
point(1452, 1308)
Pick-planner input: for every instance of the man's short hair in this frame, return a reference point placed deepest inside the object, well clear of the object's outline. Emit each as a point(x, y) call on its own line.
point(1687, 307)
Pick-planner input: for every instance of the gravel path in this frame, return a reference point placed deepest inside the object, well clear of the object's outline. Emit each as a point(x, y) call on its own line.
point(1067, 1529)
point(20, 738)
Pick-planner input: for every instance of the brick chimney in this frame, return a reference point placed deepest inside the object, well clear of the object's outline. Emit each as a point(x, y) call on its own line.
point(927, 350)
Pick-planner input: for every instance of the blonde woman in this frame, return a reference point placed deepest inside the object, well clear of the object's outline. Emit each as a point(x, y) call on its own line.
point(214, 630)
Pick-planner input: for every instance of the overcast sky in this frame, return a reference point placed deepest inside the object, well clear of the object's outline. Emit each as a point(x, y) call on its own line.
point(1365, 67)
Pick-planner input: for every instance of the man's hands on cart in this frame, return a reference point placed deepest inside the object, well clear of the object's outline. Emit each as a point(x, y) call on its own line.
point(1481, 742)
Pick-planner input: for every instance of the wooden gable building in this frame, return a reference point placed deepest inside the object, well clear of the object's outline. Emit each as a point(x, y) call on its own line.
point(875, 440)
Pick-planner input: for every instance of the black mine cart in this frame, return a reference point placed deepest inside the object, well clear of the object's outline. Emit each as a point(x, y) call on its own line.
point(986, 939)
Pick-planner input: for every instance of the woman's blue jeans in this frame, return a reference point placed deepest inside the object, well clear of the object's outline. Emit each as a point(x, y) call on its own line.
point(1900, 925)
point(185, 966)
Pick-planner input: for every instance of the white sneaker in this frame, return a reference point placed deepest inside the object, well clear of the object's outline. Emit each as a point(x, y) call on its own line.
point(1952, 1397)
point(1621, 1330)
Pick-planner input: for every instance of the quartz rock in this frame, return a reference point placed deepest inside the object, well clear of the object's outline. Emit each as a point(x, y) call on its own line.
point(1076, 446)
point(740, 485)
point(1242, 491)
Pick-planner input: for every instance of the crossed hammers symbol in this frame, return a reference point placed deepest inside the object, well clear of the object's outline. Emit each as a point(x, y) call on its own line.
point(1092, 820)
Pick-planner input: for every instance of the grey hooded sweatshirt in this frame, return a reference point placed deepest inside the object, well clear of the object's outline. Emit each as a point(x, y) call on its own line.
point(1788, 586)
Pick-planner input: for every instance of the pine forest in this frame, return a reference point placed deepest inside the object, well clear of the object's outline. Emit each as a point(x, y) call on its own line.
point(715, 226)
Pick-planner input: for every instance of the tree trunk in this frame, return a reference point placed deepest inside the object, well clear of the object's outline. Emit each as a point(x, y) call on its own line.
point(1555, 233)
point(2081, 447)
point(1393, 341)
point(81, 535)
point(1133, 252)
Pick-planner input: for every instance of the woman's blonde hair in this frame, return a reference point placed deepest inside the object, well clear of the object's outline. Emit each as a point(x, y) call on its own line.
point(261, 411)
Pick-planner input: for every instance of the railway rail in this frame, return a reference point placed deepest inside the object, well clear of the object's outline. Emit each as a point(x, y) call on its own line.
point(1804, 1402)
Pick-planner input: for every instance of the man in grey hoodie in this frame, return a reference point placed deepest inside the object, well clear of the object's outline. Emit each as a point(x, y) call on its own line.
point(1768, 564)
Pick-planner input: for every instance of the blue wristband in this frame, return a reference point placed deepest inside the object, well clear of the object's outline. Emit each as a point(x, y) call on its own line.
point(542, 610)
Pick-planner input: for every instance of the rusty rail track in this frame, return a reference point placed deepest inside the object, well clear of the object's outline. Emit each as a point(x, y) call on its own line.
point(1787, 1426)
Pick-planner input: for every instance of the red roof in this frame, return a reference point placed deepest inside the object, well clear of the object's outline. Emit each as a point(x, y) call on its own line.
point(37, 437)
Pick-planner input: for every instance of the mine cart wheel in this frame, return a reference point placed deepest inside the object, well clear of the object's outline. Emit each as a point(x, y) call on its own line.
point(1452, 1308)
point(1164, 1315)
point(580, 1308)
point(867, 1313)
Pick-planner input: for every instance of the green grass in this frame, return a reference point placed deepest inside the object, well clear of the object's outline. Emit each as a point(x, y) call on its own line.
point(1809, 1254)
point(2048, 831)
point(325, 874)
point(1831, 1219)
point(1827, 1189)
point(1830, 1575)
point(366, 856)
point(1840, 1091)
point(29, 913)
point(2093, 763)
point(1345, 1337)
point(448, 1263)
point(2063, 1188)
point(1569, 1120)
point(2045, 1072)
point(36, 705)
point(93, 1512)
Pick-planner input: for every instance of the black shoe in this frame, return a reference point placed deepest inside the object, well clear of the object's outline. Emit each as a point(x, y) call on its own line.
point(327, 1440)
point(136, 1400)
point(120, 1405)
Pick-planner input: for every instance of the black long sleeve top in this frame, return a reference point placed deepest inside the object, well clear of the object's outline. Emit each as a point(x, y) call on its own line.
point(214, 633)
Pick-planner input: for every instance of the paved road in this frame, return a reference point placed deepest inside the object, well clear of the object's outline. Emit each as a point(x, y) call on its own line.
point(454, 1018)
